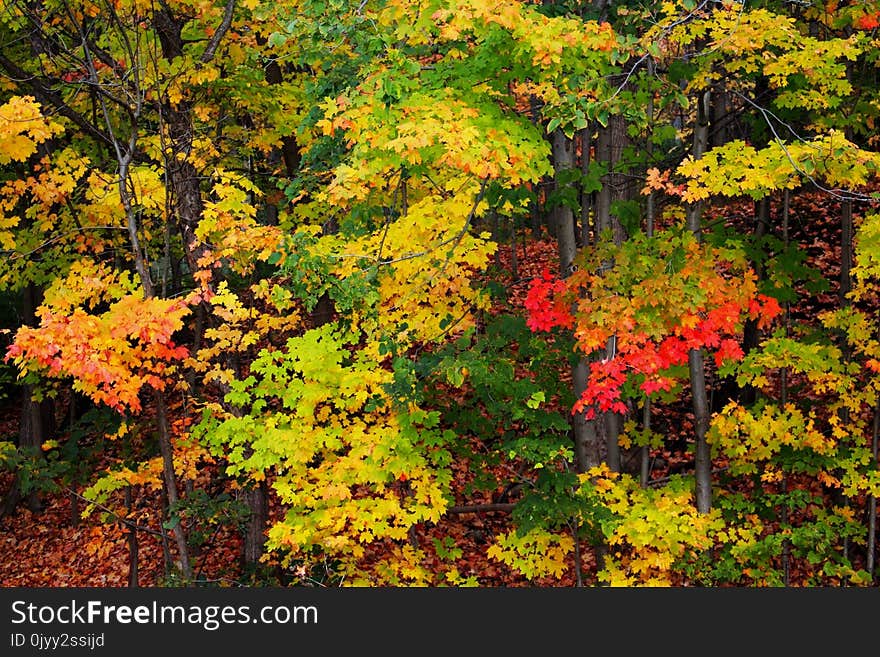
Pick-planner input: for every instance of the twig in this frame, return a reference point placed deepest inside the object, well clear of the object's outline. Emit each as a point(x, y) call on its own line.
point(840, 194)
point(668, 478)
point(128, 523)
point(208, 55)
point(482, 508)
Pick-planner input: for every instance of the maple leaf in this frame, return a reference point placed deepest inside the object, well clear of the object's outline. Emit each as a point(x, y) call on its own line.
point(728, 350)
point(764, 309)
point(868, 21)
point(656, 180)
point(652, 385)
point(545, 310)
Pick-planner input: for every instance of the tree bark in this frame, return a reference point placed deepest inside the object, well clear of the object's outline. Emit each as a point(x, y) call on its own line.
point(566, 242)
point(255, 534)
point(702, 454)
point(720, 113)
point(185, 185)
point(871, 547)
point(586, 141)
point(650, 220)
point(133, 547)
point(171, 489)
point(610, 144)
point(584, 433)
point(37, 418)
point(846, 250)
point(616, 186)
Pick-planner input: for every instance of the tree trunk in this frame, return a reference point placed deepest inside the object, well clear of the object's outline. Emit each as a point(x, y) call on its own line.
point(133, 548)
point(616, 186)
point(650, 220)
point(610, 145)
point(783, 394)
point(37, 421)
point(720, 117)
point(871, 547)
point(182, 173)
point(846, 250)
point(584, 432)
point(585, 233)
point(611, 428)
point(30, 437)
point(255, 531)
point(702, 454)
point(563, 215)
point(187, 206)
point(171, 489)
point(289, 150)
point(124, 155)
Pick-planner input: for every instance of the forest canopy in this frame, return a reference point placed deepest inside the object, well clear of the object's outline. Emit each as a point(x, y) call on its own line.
point(440, 293)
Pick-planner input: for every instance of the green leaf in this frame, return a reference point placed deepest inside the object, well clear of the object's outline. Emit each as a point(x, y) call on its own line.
point(277, 39)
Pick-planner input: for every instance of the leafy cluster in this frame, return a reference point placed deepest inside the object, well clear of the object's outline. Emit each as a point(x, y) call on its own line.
point(663, 297)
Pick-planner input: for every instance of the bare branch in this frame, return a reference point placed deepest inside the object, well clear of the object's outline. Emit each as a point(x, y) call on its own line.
point(767, 115)
point(16, 255)
point(49, 97)
point(454, 240)
point(214, 43)
point(116, 516)
point(482, 508)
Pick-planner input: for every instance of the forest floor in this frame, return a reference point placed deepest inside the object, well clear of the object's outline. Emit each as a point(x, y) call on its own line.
point(55, 547)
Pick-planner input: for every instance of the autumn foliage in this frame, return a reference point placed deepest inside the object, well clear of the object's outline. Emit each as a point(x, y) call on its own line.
point(285, 308)
point(663, 297)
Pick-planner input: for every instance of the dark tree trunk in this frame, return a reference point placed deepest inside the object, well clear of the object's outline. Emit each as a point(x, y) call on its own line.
point(721, 115)
point(871, 546)
point(616, 186)
point(289, 149)
point(37, 421)
point(702, 454)
point(171, 489)
point(30, 437)
point(255, 534)
point(846, 250)
point(183, 176)
point(586, 197)
point(610, 144)
point(133, 548)
point(584, 432)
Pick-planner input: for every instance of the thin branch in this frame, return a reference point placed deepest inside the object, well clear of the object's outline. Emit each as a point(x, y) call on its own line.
point(840, 194)
point(626, 78)
point(15, 255)
point(47, 96)
point(117, 518)
point(482, 508)
point(218, 35)
point(454, 240)
point(663, 480)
